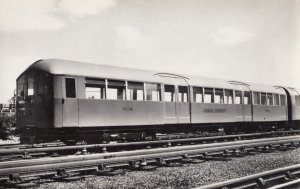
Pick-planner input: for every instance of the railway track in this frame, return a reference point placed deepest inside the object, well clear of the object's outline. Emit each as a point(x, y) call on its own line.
point(105, 163)
point(282, 178)
point(27, 146)
point(54, 149)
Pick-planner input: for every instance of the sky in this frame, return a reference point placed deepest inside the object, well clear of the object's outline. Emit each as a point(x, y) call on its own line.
point(251, 41)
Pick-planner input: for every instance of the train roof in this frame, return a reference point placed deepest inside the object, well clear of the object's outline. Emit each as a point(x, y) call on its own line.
point(66, 67)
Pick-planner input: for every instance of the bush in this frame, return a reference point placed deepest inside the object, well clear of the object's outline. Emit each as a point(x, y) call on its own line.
point(7, 125)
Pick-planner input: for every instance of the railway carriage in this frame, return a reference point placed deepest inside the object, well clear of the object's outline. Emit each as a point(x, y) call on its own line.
point(71, 101)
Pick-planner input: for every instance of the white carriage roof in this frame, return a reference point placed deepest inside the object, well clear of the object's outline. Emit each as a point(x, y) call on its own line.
point(66, 67)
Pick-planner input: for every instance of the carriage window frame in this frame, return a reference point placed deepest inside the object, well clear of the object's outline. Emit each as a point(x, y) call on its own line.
point(198, 94)
point(263, 99)
point(70, 88)
point(270, 99)
point(256, 98)
point(95, 84)
point(228, 96)
point(219, 96)
point(276, 99)
point(208, 91)
point(297, 100)
point(22, 87)
point(169, 97)
point(240, 95)
point(119, 86)
point(153, 92)
point(183, 94)
point(135, 91)
point(248, 97)
point(282, 100)
point(31, 86)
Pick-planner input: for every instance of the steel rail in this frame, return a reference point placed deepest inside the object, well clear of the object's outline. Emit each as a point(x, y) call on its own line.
point(13, 145)
point(245, 143)
point(174, 154)
point(6, 147)
point(251, 180)
point(118, 145)
point(287, 185)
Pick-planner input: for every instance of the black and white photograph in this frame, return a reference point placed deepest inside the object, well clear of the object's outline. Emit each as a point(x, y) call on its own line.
point(150, 94)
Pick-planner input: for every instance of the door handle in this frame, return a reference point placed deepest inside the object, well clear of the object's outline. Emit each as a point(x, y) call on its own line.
point(62, 101)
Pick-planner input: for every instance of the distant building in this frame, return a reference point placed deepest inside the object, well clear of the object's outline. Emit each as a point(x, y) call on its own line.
point(7, 108)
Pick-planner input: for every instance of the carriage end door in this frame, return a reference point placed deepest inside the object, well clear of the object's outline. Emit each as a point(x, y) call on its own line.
point(70, 102)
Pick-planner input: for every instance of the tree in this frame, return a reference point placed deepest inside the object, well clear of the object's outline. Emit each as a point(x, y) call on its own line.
point(12, 100)
point(8, 121)
point(7, 125)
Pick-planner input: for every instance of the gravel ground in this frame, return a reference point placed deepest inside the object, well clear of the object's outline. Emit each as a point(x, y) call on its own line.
point(189, 175)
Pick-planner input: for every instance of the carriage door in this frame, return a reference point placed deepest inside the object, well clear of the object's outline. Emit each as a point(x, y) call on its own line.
point(182, 103)
point(177, 106)
point(170, 104)
point(70, 102)
point(243, 105)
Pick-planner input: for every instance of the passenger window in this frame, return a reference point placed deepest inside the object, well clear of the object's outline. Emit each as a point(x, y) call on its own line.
point(169, 93)
point(219, 96)
point(247, 97)
point(238, 97)
point(228, 96)
point(44, 84)
point(276, 99)
point(21, 83)
point(198, 94)
point(115, 90)
point(70, 88)
point(297, 100)
point(182, 94)
point(263, 99)
point(135, 91)
point(256, 99)
point(269, 99)
point(282, 100)
point(153, 92)
point(208, 95)
point(94, 88)
point(30, 90)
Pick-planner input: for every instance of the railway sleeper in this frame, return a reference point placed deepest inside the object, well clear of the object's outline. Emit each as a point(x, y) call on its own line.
point(63, 176)
point(186, 159)
point(61, 173)
point(261, 182)
point(267, 149)
point(214, 157)
point(104, 170)
point(160, 162)
point(26, 155)
point(141, 165)
point(217, 158)
point(290, 176)
point(15, 181)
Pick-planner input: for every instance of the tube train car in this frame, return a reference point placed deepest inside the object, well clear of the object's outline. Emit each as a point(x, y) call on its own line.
point(71, 101)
